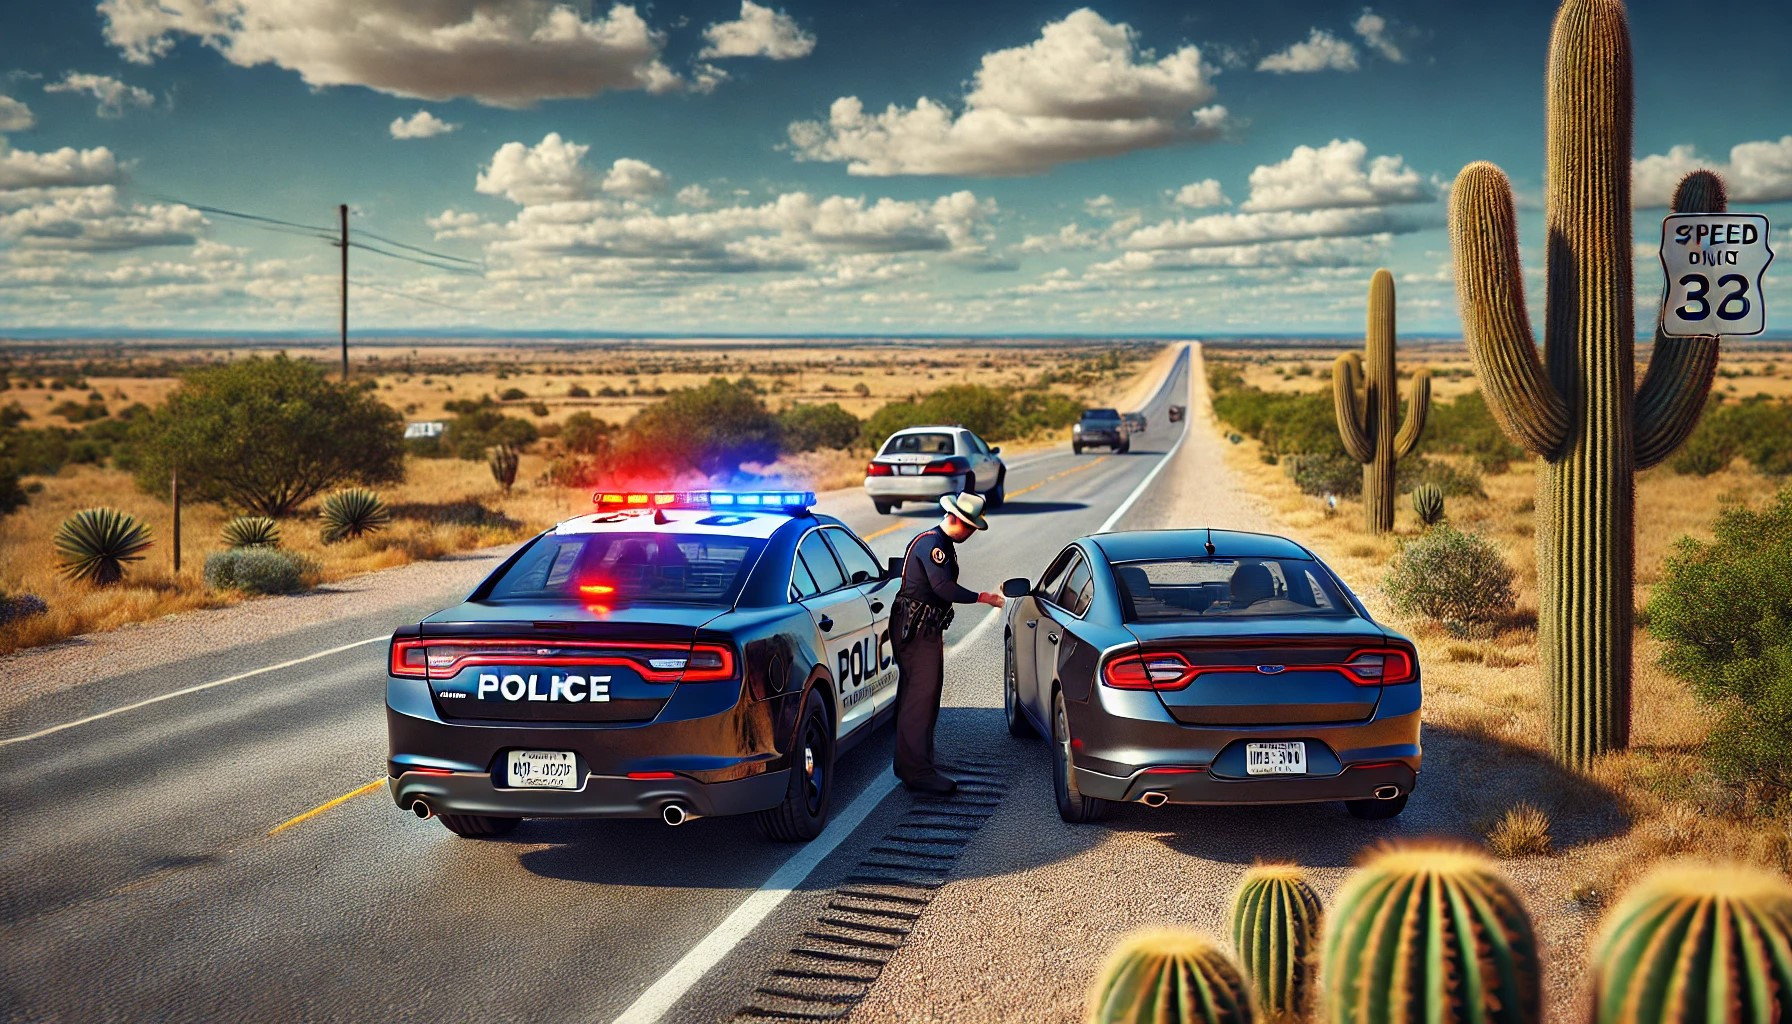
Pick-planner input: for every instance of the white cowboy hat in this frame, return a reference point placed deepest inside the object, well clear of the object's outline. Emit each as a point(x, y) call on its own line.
point(968, 507)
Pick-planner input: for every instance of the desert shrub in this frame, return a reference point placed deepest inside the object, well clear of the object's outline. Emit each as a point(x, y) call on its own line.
point(583, 432)
point(1326, 473)
point(12, 493)
point(578, 391)
point(713, 428)
point(1286, 424)
point(355, 512)
point(1466, 426)
point(268, 435)
point(256, 570)
point(1723, 612)
point(1453, 480)
point(572, 471)
point(1034, 411)
point(1756, 429)
point(992, 413)
point(538, 408)
point(15, 607)
point(251, 532)
point(1451, 577)
point(1523, 831)
point(808, 427)
point(1703, 454)
point(95, 543)
point(469, 434)
point(81, 412)
point(512, 395)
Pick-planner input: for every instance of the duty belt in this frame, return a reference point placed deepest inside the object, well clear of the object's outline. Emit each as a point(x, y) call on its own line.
point(919, 617)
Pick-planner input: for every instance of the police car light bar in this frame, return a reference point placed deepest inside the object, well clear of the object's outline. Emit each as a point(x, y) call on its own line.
point(788, 501)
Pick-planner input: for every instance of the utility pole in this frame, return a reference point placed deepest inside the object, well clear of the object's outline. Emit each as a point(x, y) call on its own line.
point(342, 213)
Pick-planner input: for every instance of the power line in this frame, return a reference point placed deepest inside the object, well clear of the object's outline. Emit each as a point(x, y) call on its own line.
point(311, 229)
point(446, 267)
point(420, 249)
point(360, 283)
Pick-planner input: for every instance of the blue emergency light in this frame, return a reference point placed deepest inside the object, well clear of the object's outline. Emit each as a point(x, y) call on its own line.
point(782, 501)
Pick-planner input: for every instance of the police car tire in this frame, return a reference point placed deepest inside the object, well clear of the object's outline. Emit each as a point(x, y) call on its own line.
point(1072, 805)
point(1019, 726)
point(791, 821)
point(478, 826)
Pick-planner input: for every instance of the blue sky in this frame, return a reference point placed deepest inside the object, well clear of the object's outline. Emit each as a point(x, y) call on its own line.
point(816, 167)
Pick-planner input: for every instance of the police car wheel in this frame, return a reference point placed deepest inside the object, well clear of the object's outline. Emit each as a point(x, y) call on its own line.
point(478, 826)
point(1018, 726)
point(804, 811)
point(1073, 806)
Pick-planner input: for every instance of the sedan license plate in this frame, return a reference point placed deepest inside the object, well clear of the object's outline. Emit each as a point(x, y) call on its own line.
point(542, 769)
point(909, 470)
point(1275, 758)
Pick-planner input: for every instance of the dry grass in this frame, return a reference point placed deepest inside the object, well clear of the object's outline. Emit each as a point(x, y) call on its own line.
point(1523, 831)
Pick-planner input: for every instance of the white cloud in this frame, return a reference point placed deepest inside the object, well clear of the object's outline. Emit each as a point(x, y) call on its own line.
point(22, 169)
point(1305, 252)
point(1082, 90)
point(1200, 194)
point(705, 78)
point(636, 179)
point(93, 219)
point(1373, 28)
point(1068, 237)
point(1334, 176)
point(1220, 229)
point(695, 196)
point(113, 94)
point(1320, 51)
point(551, 171)
point(507, 53)
point(421, 125)
point(1757, 172)
point(14, 115)
point(758, 32)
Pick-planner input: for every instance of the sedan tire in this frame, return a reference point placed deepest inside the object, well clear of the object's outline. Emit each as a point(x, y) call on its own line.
point(1376, 810)
point(883, 507)
point(478, 826)
point(804, 812)
point(1073, 806)
point(1018, 725)
point(999, 493)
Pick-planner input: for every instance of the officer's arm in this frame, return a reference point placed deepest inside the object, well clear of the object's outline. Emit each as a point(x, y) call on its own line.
point(944, 586)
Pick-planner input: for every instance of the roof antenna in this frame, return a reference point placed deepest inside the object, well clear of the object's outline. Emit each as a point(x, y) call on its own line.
point(1210, 542)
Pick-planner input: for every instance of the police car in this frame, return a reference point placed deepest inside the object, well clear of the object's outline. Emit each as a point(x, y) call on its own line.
point(672, 655)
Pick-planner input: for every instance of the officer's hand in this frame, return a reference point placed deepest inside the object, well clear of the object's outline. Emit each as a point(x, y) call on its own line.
point(992, 599)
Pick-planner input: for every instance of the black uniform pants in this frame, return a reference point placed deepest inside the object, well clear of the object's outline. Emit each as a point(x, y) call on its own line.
point(921, 669)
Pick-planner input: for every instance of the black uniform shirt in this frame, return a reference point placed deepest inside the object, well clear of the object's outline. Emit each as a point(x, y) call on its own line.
point(930, 571)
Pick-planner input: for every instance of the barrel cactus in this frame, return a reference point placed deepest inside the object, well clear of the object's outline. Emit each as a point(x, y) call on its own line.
point(1428, 502)
point(1430, 933)
point(1578, 408)
point(251, 532)
point(503, 464)
point(1696, 944)
point(95, 543)
point(1368, 427)
point(1275, 929)
point(1169, 975)
point(353, 513)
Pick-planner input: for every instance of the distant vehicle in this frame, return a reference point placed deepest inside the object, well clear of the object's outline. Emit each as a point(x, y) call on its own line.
point(1135, 422)
point(928, 463)
point(671, 656)
point(1100, 427)
point(1188, 666)
point(1176, 412)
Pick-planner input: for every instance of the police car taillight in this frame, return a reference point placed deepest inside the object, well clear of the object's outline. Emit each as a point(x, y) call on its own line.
point(787, 501)
point(408, 659)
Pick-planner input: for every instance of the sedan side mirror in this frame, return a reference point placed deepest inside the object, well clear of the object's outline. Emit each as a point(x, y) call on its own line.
point(894, 569)
point(1016, 587)
point(997, 450)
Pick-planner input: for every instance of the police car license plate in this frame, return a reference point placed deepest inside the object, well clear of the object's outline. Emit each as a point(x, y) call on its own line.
point(542, 769)
point(1275, 758)
point(909, 470)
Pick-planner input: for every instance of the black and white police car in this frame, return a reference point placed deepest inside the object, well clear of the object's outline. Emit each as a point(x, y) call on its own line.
point(674, 654)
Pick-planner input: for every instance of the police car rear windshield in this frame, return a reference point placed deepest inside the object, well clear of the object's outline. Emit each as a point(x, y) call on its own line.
point(1207, 588)
point(919, 444)
point(614, 569)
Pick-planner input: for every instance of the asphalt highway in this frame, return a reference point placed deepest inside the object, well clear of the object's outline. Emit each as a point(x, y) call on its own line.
point(224, 854)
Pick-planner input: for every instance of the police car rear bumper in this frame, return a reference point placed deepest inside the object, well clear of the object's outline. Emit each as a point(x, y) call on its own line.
point(922, 487)
point(599, 796)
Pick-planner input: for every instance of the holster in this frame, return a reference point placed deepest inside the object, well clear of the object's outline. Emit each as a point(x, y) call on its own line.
point(910, 618)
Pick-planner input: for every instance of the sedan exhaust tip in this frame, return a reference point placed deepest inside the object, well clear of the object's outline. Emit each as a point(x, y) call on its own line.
point(675, 814)
point(422, 809)
point(1388, 792)
point(1154, 798)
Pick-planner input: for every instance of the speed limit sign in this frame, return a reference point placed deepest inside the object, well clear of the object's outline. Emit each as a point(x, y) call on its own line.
point(1714, 264)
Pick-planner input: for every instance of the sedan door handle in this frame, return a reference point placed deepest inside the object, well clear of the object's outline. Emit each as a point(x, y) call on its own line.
point(826, 623)
point(1033, 624)
point(1053, 637)
point(877, 606)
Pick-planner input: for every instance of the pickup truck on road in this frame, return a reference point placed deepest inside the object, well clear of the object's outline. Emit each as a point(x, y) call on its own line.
point(1102, 427)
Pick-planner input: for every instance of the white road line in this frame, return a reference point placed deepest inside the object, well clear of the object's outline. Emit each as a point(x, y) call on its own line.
point(690, 969)
point(52, 730)
point(975, 631)
point(1124, 506)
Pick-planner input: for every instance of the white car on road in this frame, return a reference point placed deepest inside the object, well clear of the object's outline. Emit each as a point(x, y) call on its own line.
point(927, 463)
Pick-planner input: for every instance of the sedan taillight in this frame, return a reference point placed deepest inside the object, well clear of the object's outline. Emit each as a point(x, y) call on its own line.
point(879, 469)
point(1380, 666)
point(1162, 670)
point(951, 464)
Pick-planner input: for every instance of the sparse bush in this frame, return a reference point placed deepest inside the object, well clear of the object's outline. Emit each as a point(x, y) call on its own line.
point(1523, 831)
point(512, 395)
point(1453, 480)
point(268, 435)
point(583, 432)
point(256, 570)
point(1286, 424)
point(454, 513)
point(503, 466)
point(808, 427)
point(12, 493)
point(96, 542)
point(713, 428)
point(1323, 473)
point(1465, 426)
point(1755, 429)
point(578, 391)
point(1723, 611)
point(538, 408)
point(353, 513)
point(16, 607)
point(251, 532)
point(478, 428)
point(1451, 577)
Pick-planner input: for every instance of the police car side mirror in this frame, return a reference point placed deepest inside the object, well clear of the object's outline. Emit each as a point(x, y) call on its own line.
point(894, 569)
point(1016, 587)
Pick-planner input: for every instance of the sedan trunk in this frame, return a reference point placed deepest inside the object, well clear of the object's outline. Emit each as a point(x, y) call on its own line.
point(1246, 672)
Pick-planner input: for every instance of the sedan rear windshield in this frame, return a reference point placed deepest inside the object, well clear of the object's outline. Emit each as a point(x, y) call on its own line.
point(626, 568)
point(919, 444)
point(1100, 414)
point(1199, 588)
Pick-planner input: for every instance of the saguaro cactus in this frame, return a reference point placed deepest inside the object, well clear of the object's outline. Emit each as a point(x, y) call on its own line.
point(1579, 408)
point(1275, 929)
point(1367, 428)
point(1169, 975)
point(1696, 944)
point(1430, 933)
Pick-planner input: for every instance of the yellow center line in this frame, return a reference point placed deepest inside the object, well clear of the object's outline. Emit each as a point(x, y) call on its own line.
point(321, 808)
point(885, 532)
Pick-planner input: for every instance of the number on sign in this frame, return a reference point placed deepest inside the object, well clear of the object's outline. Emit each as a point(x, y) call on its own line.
point(1725, 309)
point(1734, 305)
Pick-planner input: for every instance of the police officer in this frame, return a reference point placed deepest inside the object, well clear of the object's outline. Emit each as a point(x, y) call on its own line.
point(923, 611)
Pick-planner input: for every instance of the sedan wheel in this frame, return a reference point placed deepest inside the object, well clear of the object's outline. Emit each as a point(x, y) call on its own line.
point(1073, 806)
point(1018, 725)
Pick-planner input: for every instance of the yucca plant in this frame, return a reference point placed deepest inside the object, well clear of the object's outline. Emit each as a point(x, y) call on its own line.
point(95, 543)
point(1428, 502)
point(503, 463)
point(251, 532)
point(354, 512)
point(1169, 975)
point(1275, 929)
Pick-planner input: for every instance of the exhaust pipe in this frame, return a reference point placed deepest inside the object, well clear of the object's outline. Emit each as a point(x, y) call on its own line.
point(1154, 798)
point(1388, 792)
point(675, 814)
point(421, 809)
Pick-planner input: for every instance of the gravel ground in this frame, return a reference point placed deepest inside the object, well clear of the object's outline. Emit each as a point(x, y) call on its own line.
point(1035, 904)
